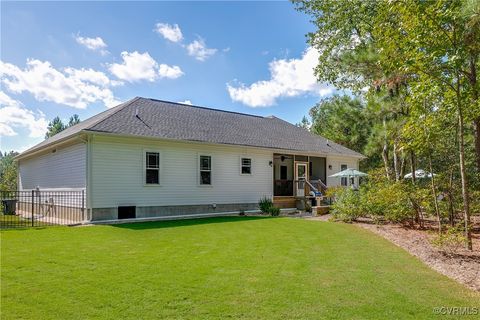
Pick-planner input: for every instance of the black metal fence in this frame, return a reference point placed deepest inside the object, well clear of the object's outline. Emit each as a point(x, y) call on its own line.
point(35, 208)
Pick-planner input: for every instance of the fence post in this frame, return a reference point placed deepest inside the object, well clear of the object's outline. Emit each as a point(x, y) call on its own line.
point(33, 207)
point(83, 205)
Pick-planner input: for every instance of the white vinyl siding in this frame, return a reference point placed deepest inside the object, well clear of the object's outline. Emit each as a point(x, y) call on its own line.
point(117, 165)
point(63, 169)
point(336, 163)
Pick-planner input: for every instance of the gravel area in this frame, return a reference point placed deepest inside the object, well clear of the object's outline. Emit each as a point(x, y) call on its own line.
point(462, 265)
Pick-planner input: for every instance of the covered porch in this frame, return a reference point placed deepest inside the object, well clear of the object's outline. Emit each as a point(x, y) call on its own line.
point(296, 177)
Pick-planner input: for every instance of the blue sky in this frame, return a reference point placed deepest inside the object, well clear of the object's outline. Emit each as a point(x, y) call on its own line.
point(61, 58)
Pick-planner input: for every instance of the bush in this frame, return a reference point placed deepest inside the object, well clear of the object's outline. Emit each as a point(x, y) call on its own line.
point(377, 199)
point(390, 201)
point(451, 240)
point(274, 211)
point(265, 204)
point(347, 205)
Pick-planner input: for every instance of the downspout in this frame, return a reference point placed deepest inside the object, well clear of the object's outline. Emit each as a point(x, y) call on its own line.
point(89, 177)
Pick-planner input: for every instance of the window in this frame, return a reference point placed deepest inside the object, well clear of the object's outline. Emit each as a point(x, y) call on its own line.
point(283, 172)
point(205, 170)
point(301, 158)
point(152, 168)
point(246, 166)
point(344, 181)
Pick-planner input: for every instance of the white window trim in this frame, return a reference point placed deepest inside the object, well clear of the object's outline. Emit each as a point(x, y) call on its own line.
point(341, 179)
point(144, 168)
point(241, 165)
point(198, 170)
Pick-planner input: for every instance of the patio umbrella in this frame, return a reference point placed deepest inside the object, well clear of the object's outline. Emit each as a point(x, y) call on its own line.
point(347, 173)
point(419, 174)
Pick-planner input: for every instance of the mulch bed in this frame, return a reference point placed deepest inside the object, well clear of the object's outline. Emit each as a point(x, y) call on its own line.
point(461, 265)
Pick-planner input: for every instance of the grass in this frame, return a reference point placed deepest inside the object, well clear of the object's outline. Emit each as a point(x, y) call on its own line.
point(239, 268)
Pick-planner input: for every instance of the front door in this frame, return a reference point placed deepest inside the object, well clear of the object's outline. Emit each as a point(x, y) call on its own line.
point(300, 176)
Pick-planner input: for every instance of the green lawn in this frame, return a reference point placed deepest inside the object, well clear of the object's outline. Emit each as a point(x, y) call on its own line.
point(250, 268)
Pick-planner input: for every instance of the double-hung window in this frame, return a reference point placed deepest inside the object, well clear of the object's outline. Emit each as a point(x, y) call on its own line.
point(152, 168)
point(344, 180)
point(205, 170)
point(246, 166)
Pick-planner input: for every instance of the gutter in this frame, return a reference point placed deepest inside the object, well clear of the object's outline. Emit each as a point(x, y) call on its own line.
point(53, 145)
point(277, 150)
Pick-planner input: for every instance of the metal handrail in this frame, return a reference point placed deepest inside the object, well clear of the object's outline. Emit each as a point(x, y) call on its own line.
point(312, 187)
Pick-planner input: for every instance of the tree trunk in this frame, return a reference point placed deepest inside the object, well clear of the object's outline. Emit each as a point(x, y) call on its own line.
point(385, 150)
point(396, 162)
point(476, 127)
point(451, 208)
point(465, 195)
point(412, 166)
point(403, 164)
point(434, 190)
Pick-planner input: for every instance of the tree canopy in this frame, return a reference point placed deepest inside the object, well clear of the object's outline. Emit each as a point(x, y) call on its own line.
point(56, 125)
point(415, 65)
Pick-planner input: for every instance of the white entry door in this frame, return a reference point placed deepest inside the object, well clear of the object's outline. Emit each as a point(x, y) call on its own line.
point(300, 176)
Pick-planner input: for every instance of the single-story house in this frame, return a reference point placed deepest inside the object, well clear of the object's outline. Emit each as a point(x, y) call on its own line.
point(152, 158)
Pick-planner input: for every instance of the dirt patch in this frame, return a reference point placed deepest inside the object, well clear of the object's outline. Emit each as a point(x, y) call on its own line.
point(462, 266)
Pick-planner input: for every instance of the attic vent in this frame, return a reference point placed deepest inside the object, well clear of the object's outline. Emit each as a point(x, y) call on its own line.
point(54, 150)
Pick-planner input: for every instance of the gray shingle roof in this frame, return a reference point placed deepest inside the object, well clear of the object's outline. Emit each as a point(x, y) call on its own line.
point(168, 120)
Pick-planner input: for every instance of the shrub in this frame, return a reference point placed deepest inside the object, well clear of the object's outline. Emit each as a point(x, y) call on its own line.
point(346, 206)
point(391, 201)
point(274, 211)
point(451, 240)
point(265, 204)
point(377, 199)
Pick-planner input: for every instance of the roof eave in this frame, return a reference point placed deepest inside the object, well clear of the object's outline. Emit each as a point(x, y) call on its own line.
point(122, 135)
point(34, 150)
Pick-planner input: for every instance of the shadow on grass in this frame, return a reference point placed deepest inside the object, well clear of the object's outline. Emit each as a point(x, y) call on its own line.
point(185, 222)
point(23, 228)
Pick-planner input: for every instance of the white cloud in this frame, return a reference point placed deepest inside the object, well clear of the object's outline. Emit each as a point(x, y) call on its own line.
point(186, 102)
point(13, 114)
point(198, 49)
point(72, 87)
point(95, 44)
point(288, 78)
point(170, 72)
point(135, 66)
point(141, 66)
point(169, 32)
point(92, 76)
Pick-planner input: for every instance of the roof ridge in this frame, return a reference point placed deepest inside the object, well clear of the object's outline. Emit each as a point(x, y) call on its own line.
point(206, 108)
